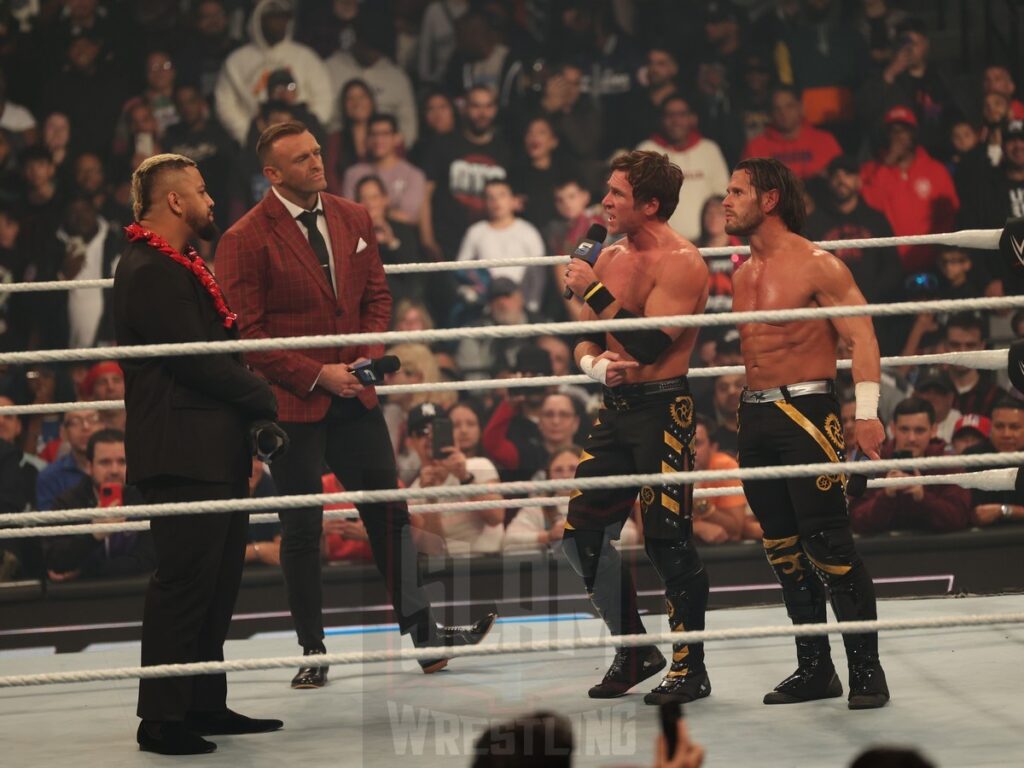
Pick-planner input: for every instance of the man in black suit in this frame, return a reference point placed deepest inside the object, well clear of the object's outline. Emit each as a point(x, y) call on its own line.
point(190, 422)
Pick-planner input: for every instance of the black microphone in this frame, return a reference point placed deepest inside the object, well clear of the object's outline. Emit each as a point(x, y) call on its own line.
point(589, 249)
point(371, 372)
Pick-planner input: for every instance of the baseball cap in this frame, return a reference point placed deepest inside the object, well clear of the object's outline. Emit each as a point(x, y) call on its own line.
point(1014, 130)
point(935, 381)
point(85, 388)
point(846, 163)
point(901, 114)
point(421, 416)
point(502, 286)
point(530, 359)
point(278, 6)
point(278, 77)
point(980, 424)
point(722, 10)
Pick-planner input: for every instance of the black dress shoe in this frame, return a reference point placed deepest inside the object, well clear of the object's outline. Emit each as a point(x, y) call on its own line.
point(166, 738)
point(228, 723)
point(456, 637)
point(311, 677)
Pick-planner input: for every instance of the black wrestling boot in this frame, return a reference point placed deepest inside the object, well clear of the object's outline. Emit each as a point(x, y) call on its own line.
point(171, 738)
point(629, 667)
point(804, 594)
point(311, 677)
point(452, 637)
point(687, 679)
point(228, 723)
point(868, 688)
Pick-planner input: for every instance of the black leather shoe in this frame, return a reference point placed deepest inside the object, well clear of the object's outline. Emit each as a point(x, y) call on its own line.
point(167, 738)
point(810, 682)
point(629, 667)
point(228, 723)
point(456, 637)
point(311, 677)
point(868, 689)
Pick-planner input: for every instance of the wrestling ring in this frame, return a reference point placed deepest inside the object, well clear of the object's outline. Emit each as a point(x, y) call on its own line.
point(955, 692)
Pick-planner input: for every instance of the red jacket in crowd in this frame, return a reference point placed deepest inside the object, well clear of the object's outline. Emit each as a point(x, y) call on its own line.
point(942, 509)
point(918, 201)
point(807, 155)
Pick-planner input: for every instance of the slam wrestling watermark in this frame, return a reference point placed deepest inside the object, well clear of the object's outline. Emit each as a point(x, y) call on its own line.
point(598, 732)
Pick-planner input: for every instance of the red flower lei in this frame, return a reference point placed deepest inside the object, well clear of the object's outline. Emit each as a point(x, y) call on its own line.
point(193, 262)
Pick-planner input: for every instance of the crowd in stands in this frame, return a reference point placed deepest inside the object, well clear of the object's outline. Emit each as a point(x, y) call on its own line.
point(475, 130)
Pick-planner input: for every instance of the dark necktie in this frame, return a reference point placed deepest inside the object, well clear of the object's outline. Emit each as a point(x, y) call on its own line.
point(316, 240)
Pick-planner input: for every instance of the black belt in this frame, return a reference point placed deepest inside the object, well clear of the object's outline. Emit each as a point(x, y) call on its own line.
point(624, 396)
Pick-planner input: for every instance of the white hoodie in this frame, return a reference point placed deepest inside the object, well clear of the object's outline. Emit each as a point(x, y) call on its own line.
point(242, 82)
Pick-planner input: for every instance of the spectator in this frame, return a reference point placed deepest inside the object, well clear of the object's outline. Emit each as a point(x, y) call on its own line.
point(878, 24)
point(478, 357)
point(467, 428)
point(458, 169)
point(91, 247)
point(264, 545)
point(719, 77)
point(399, 243)
point(57, 141)
point(158, 95)
point(371, 60)
point(437, 121)
point(19, 558)
point(201, 138)
point(512, 438)
point(89, 91)
point(16, 321)
point(458, 533)
point(790, 139)
point(700, 159)
point(559, 351)
point(997, 79)
point(542, 167)
point(937, 388)
point(42, 208)
point(123, 553)
point(405, 183)
point(482, 60)
point(713, 235)
point(412, 316)
point(661, 73)
point(976, 390)
point(505, 236)
point(348, 146)
point(10, 178)
point(105, 381)
point(575, 217)
point(437, 39)
point(911, 80)
point(845, 216)
point(559, 422)
point(143, 140)
point(15, 119)
point(68, 470)
point(271, 47)
point(418, 367)
point(42, 435)
point(726, 403)
point(718, 519)
point(914, 191)
point(755, 99)
point(575, 119)
point(538, 738)
point(1007, 436)
point(536, 527)
point(935, 508)
point(90, 179)
point(971, 434)
point(205, 48)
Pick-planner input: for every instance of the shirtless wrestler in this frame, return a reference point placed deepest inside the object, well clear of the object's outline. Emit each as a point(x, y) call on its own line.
point(645, 426)
point(789, 415)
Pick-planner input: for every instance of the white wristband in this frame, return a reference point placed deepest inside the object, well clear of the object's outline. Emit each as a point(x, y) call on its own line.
point(597, 371)
point(867, 399)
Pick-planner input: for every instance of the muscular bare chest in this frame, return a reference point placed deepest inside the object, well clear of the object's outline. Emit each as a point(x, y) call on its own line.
point(629, 278)
point(766, 286)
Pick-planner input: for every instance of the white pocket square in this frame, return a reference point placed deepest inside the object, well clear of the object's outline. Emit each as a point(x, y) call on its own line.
point(361, 245)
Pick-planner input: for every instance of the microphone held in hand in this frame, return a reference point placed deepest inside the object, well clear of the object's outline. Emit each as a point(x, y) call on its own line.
point(268, 440)
point(371, 372)
point(589, 249)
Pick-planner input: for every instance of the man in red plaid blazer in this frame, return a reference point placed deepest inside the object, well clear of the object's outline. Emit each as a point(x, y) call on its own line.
point(303, 262)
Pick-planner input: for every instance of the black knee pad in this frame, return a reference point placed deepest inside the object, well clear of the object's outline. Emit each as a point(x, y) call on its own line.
point(675, 560)
point(832, 554)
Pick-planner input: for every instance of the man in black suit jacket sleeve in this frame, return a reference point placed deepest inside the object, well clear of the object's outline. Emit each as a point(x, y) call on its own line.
point(189, 420)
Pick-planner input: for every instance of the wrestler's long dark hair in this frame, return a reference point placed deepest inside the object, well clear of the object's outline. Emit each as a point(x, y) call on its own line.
point(767, 174)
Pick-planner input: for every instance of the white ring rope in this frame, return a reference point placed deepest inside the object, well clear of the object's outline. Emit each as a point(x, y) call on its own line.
point(989, 480)
point(511, 331)
point(979, 239)
point(498, 649)
point(994, 359)
point(525, 487)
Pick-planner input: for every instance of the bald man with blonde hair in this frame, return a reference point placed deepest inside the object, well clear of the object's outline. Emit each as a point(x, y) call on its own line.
point(190, 425)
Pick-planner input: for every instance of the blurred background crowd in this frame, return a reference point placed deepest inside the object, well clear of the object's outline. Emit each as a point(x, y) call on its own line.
point(481, 129)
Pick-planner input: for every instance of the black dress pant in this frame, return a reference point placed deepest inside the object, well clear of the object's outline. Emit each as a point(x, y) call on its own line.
point(354, 443)
point(191, 596)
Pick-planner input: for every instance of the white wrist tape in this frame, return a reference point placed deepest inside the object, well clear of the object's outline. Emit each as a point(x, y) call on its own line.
point(597, 371)
point(867, 399)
